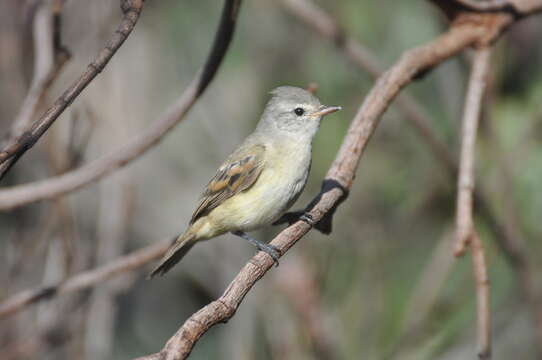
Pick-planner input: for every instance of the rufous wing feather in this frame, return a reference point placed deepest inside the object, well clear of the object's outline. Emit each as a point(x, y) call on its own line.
point(238, 173)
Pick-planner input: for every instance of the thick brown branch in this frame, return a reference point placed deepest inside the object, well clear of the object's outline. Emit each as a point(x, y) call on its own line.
point(73, 180)
point(28, 137)
point(465, 182)
point(327, 27)
point(85, 279)
point(339, 179)
point(317, 19)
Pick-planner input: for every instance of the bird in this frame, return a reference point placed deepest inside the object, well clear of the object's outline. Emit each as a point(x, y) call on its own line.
point(261, 179)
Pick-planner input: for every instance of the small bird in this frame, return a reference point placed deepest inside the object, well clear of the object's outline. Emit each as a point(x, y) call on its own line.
point(260, 180)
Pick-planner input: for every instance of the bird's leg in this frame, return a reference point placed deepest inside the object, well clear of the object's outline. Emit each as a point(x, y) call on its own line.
point(293, 216)
point(267, 248)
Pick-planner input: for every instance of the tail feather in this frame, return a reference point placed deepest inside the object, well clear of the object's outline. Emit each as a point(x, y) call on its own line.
point(175, 253)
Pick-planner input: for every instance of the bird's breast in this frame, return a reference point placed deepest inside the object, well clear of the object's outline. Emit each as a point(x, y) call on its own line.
point(282, 180)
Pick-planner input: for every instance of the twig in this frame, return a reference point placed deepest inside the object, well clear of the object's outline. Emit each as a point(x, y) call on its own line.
point(466, 232)
point(48, 49)
point(51, 56)
point(46, 189)
point(16, 148)
point(339, 179)
point(483, 306)
point(465, 183)
point(85, 279)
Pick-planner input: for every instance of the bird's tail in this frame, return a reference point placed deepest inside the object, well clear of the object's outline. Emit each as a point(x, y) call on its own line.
point(175, 253)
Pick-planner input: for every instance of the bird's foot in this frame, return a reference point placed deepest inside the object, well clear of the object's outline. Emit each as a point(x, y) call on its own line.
point(269, 249)
point(307, 218)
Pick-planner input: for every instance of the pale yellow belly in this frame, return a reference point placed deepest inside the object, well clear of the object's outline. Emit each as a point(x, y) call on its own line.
point(274, 192)
point(262, 204)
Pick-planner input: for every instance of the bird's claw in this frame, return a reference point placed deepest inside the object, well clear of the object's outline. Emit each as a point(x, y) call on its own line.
point(272, 251)
point(307, 218)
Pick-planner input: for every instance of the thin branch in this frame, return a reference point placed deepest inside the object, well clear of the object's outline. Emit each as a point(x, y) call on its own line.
point(46, 33)
point(465, 183)
point(483, 306)
point(466, 232)
point(85, 279)
point(46, 189)
point(16, 148)
point(339, 180)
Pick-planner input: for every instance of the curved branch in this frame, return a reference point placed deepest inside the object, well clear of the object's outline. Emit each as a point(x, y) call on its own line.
point(13, 151)
point(85, 279)
point(328, 28)
point(466, 233)
point(339, 179)
point(465, 181)
point(510, 243)
point(46, 189)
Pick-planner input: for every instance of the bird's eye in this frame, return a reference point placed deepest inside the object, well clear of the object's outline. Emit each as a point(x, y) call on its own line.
point(299, 111)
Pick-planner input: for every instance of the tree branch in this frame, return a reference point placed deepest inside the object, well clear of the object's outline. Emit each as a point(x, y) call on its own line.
point(466, 232)
point(465, 182)
point(483, 306)
point(339, 179)
point(85, 279)
point(317, 19)
point(46, 189)
point(18, 146)
point(51, 56)
point(48, 48)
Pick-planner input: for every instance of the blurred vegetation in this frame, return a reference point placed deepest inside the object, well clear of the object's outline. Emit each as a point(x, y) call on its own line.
point(386, 283)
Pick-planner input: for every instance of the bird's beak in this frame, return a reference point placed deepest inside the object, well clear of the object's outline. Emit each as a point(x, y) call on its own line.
point(325, 110)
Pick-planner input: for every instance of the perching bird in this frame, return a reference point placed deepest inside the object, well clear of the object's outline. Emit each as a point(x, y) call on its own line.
point(260, 180)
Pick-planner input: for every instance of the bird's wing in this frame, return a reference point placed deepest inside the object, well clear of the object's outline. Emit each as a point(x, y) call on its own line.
point(238, 173)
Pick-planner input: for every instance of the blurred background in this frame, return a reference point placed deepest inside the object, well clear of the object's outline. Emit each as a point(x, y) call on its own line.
point(383, 285)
